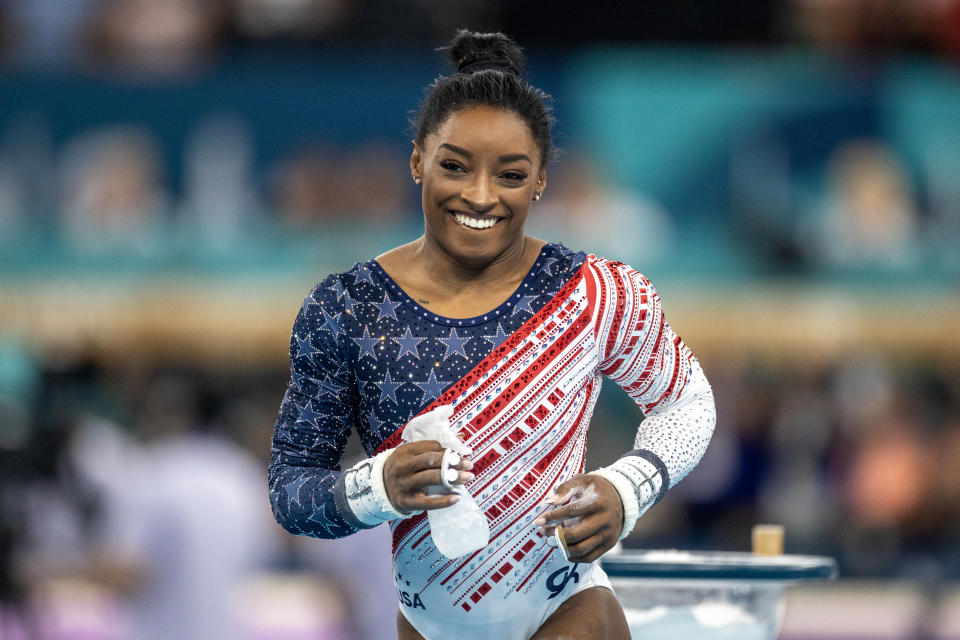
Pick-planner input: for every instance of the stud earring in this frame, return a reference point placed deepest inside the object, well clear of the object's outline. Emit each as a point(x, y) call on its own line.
point(536, 197)
point(417, 180)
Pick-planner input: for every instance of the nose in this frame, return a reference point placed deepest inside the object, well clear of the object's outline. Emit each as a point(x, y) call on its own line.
point(480, 194)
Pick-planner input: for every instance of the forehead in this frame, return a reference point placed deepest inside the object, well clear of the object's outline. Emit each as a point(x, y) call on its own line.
point(483, 129)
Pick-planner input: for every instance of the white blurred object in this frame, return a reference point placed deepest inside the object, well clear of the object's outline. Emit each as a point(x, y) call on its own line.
point(459, 529)
point(708, 595)
point(435, 425)
point(218, 174)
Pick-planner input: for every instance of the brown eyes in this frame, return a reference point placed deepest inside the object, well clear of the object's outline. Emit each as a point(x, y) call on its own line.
point(510, 176)
point(451, 166)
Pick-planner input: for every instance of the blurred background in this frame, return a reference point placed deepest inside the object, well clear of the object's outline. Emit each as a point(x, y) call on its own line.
point(175, 175)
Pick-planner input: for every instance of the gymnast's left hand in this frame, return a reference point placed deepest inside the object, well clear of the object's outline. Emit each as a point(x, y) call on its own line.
point(591, 513)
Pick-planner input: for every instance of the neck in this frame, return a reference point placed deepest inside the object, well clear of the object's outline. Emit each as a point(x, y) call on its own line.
point(456, 273)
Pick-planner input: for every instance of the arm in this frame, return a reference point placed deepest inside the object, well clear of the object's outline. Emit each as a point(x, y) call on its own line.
point(642, 354)
point(308, 493)
point(307, 489)
point(654, 366)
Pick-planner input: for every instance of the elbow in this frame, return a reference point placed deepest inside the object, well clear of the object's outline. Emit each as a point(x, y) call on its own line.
point(296, 513)
point(710, 406)
point(281, 503)
point(707, 410)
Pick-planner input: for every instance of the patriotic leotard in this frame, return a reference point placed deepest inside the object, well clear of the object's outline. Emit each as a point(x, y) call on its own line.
point(523, 380)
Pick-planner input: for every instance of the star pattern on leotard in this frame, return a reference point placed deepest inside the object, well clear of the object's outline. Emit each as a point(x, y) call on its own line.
point(524, 304)
point(305, 348)
point(300, 379)
point(388, 388)
point(367, 358)
point(348, 304)
point(308, 415)
point(366, 342)
point(322, 515)
point(455, 343)
point(408, 344)
point(330, 321)
point(364, 274)
point(388, 308)
point(293, 490)
point(432, 388)
point(498, 337)
point(547, 264)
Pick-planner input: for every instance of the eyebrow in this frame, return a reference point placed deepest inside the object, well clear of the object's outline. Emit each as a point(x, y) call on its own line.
point(506, 158)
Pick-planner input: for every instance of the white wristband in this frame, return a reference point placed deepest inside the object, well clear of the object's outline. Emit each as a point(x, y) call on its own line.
point(366, 493)
point(638, 482)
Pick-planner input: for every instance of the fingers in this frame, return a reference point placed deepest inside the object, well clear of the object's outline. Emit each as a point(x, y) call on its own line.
point(589, 549)
point(427, 454)
point(431, 478)
point(570, 490)
point(412, 476)
point(576, 509)
point(423, 502)
point(591, 518)
point(598, 524)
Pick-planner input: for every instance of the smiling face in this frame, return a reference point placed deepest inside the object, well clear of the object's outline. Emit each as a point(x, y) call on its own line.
point(480, 172)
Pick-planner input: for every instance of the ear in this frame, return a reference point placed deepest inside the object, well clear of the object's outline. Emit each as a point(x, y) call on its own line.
point(416, 160)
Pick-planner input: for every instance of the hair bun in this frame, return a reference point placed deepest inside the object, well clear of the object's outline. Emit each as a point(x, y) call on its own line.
point(471, 51)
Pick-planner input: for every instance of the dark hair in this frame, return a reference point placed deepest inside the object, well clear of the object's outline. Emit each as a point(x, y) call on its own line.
point(490, 71)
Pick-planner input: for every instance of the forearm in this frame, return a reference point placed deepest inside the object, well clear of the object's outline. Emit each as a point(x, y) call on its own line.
point(325, 503)
point(303, 500)
point(667, 447)
point(656, 368)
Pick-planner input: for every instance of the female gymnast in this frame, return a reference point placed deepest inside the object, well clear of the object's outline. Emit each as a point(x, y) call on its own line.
point(505, 338)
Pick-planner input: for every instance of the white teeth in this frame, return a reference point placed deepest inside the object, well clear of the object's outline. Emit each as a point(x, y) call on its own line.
point(475, 223)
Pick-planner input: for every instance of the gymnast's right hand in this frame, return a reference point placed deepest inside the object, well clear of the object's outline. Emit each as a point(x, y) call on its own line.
point(414, 467)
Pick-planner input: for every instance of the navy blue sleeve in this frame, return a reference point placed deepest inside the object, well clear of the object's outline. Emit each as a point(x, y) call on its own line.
point(315, 419)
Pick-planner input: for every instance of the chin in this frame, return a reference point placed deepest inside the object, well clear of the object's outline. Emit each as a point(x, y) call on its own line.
point(476, 254)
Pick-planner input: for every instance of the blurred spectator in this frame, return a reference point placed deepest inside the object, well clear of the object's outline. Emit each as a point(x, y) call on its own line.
point(948, 27)
point(299, 18)
point(195, 521)
point(27, 180)
point(219, 200)
point(946, 500)
point(44, 32)
point(11, 203)
point(761, 207)
point(941, 168)
point(798, 492)
point(587, 212)
point(869, 24)
point(113, 198)
point(869, 218)
point(322, 184)
point(160, 36)
point(887, 491)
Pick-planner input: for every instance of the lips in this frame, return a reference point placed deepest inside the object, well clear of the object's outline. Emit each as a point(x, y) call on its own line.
point(478, 222)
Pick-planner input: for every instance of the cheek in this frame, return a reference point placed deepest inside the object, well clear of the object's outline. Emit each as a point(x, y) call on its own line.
point(439, 190)
point(519, 204)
